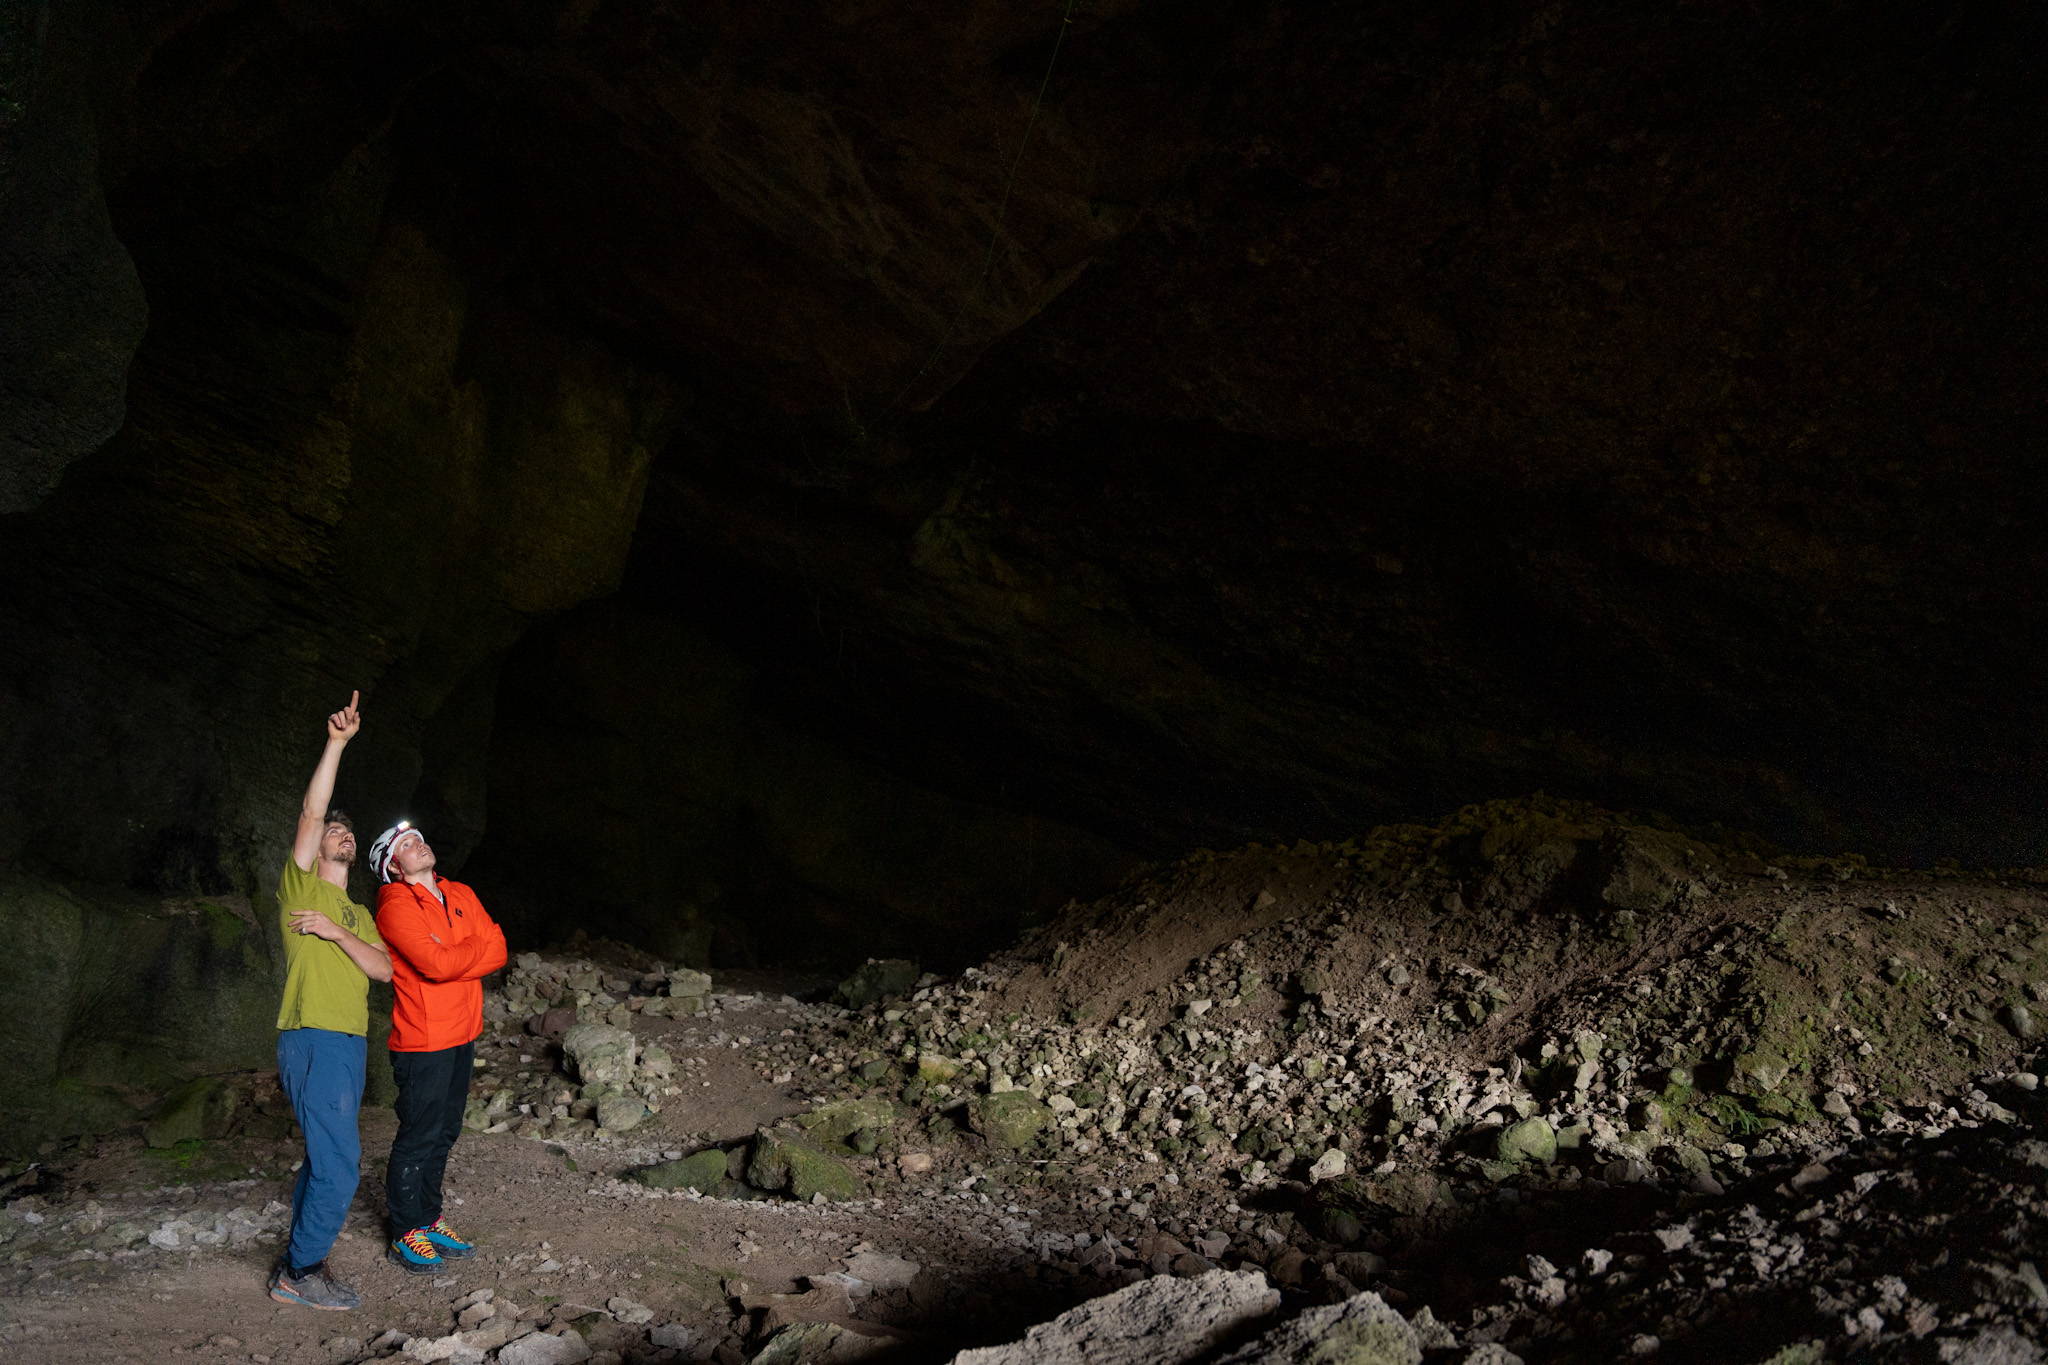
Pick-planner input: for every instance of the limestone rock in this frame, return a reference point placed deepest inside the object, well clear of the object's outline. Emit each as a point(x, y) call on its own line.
point(1160, 1321)
point(599, 1054)
point(821, 1343)
point(541, 1348)
point(620, 1113)
point(881, 1269)
point(703, 1172)
point(837, 1122)
point(1010, 1120)
point(685, 982)
point(1362, 1330)
point(1529, 1140)
point(782, 1161)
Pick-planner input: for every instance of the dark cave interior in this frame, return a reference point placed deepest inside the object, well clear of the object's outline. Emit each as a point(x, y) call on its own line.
point(810, 480)
point(1465, 577)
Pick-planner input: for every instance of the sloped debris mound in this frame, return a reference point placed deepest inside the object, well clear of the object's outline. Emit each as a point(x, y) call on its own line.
point(1413, 1061)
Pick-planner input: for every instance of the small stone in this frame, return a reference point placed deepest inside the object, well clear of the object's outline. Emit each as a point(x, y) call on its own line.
point(2021, 1021)
point(627, 1311)
point(1331, 1164)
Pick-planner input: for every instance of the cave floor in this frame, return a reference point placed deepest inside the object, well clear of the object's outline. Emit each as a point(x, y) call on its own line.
point(555, 1230)
point(1594, 1092)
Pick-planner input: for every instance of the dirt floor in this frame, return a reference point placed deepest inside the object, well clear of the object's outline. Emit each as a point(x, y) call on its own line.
point(1555, 1086)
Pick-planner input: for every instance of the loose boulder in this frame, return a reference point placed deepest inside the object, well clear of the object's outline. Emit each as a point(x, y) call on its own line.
point(785, 1162)
point(703, 1172)
point(599, 1054)
point(1013, 1119)
point(1160, 1321)
point(838, 1122)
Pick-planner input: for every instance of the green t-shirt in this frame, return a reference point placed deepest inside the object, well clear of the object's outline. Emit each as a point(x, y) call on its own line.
point(323, 987)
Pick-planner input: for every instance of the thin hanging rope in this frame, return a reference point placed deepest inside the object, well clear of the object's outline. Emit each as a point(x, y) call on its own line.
point(988, 258)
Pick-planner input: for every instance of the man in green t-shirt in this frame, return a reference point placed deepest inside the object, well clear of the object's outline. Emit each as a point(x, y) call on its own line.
point(331, 954)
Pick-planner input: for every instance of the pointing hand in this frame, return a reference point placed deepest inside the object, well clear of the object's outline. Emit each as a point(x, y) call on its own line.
point(343, 724)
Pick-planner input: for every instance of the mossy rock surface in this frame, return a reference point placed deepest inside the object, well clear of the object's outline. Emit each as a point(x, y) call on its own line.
point(703, 1172)
point(1013, 1119)
point(111, 1001)
point(838, 1122)
point(785, 1162)
point(201, 1108)
point(1529, 1140)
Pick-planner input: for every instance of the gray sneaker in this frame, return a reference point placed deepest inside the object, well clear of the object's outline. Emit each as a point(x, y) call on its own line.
point(314, 1289)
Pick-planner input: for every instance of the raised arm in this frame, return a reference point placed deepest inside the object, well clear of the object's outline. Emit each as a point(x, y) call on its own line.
point(341, 728)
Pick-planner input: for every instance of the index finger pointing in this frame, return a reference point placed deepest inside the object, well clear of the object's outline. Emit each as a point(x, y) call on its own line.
point(353, 698)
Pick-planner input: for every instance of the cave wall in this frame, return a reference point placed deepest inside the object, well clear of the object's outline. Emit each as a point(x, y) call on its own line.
point(1184, 423)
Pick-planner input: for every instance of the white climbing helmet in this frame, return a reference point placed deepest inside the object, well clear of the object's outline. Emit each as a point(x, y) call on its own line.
point(380, 852)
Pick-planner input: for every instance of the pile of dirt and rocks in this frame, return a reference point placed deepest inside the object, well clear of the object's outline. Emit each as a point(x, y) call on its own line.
point(1536, 1084)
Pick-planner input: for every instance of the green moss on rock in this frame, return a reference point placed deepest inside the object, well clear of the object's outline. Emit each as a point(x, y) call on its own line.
point(838, 1122)
point(1013, 1119)
point(785, 1162)
point(703, 1171)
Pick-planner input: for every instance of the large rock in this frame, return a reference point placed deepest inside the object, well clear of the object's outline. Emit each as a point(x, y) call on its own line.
point(1161, 1321)
point(703, 1172)
point(1362, 1330)
point(541, 1348)
point(838, 1122)
point(201, 1108)
point(599, 1054)
point(784, 1162)
point(110, 999)
point(1013, 1119)
point(1532, 1139)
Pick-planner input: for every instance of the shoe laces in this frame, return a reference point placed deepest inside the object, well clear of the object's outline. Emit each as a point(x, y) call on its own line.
point(440, 1225)
point(416, 1242)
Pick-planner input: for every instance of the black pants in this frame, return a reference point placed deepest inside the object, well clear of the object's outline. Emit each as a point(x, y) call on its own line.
point(433, 1088)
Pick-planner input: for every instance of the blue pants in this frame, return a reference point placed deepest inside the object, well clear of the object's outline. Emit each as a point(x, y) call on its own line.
point(322, 1075)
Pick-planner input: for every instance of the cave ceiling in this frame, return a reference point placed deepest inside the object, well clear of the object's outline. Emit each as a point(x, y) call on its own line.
point(1185, 422)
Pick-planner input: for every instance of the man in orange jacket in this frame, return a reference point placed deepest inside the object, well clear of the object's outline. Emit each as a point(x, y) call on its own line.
point(443, 943)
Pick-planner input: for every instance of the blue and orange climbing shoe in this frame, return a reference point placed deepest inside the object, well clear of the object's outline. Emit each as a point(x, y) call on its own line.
point(451, 1247)
point(415, 1252)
